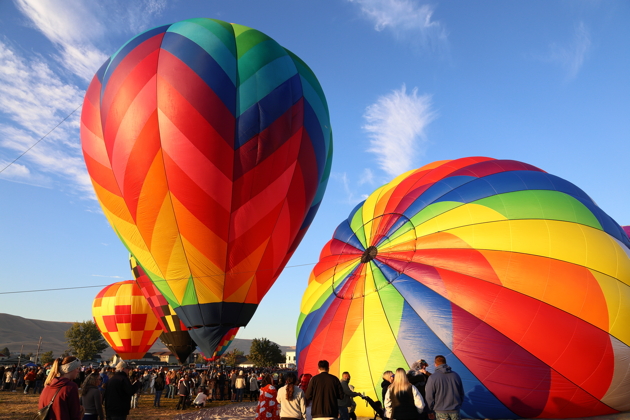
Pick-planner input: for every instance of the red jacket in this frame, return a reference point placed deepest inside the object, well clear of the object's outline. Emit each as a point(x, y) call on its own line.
point(66, 405)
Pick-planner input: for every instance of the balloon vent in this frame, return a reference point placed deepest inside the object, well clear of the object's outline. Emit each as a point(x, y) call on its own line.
point(369, 254)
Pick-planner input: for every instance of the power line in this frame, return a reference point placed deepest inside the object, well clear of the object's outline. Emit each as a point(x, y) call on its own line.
point(37, 142)
point(103, 285)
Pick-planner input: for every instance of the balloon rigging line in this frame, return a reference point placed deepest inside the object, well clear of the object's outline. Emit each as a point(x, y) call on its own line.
point(42, 138)
point(103, 285)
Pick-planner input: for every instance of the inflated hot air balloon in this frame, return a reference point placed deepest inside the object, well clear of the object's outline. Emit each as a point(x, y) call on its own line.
point(125, 319)
point(209, 148)
point(513, 274)
point(224, 344)
point(175, 336)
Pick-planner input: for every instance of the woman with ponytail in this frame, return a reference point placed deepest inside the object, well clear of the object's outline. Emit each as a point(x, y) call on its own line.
point(291, 400)
point(60, 386)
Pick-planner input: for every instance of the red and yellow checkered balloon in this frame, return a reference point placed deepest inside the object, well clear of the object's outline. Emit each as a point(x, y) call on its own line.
point(125, 319)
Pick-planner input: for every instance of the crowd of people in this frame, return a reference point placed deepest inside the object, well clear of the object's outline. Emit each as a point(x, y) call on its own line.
point(110, 392)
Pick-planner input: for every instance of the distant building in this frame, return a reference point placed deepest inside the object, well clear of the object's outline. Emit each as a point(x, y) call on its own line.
point(166, 357)
point(3, 356)
point(290, 360)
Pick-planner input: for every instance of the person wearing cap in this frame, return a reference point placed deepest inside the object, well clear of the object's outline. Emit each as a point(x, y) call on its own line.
point(118, 393)
point(60, 386)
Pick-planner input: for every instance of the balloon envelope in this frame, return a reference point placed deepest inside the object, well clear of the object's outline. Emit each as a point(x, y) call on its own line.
point(175, 336)
point(209, 148)
point(513, 274)
point(125, 319)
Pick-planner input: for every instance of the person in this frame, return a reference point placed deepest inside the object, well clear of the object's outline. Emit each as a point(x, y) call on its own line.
point(239, 385)
point(60, 386)
point(323, 391)
point(388, 378)
point(444, 391)
point(291, 399)
point(345, 403)
point(29, 380)
point(267, 408)
point(305, 378)
point(403, 400)
point(200, 399)
point(39, 381)
point(253, 386)
point(91, 398)
point(137, 385)
point(159, 384)
point(118, 393)
point(183, 390)
point(418, 376)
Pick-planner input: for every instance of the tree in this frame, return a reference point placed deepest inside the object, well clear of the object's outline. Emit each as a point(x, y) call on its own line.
point(233, 357)
point(199, 359)
point(5, 351)
point(85, 340)
point(46, 357)
point(265, 353)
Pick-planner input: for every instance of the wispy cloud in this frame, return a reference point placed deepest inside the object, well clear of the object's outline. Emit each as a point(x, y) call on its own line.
point(571, 56)
point(36, 93)
point(34, 99)
point(396, 125)
point(351, 196)
point(406, 19)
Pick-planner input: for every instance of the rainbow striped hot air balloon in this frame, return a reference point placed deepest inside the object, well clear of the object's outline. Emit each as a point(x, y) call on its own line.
point(209, 148)
point(513, 274)
point(125, 319)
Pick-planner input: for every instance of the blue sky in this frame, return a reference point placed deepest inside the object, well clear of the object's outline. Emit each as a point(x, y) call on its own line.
point(407, 82)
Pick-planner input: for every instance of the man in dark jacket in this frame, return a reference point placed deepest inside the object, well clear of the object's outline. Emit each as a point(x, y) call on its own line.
point(118, 394)
point(324, 390)
point(444, 391)
point(346, 402)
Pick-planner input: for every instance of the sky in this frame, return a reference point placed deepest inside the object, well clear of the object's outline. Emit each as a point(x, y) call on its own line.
point(407, 82)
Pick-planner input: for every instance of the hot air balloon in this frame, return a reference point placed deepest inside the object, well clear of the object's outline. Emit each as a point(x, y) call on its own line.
point(515, 275)
point(209, 148)
point(125, 319)
point(175, 336)
point(223, 345)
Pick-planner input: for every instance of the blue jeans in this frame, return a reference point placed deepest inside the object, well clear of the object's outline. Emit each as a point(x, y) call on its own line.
point(158, 395)
point(343, 413)
point(239, 394)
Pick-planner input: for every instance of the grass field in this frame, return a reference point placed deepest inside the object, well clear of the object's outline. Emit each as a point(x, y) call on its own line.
point(17, 406)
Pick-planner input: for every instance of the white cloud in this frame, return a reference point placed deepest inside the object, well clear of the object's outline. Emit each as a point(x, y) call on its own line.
point(34, 99)
point(367, 177)
point(79, 29)
point(406, 19)
point(571, 56)
point(396, 124)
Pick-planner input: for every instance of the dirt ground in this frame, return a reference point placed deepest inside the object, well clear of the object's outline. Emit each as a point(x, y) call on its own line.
point(17, 406)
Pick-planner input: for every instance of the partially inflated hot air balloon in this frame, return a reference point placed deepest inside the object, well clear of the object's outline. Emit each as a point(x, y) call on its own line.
point(513, 274)
point(223, 345)
point(209, 148)
point(125, 319)
point(175, 336)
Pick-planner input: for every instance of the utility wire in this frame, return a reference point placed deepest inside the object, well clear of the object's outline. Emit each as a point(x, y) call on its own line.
point(103, 285)
point(37, 142)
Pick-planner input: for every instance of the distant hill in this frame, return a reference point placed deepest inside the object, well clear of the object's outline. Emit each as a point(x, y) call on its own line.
point(16, 331)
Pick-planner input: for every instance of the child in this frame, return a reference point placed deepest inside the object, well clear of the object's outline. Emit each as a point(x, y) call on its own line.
point(200, 399)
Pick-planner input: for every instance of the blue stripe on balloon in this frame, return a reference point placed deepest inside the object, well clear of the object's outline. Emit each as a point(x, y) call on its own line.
point(389, 273)
point(417, 341)
point(320, 109)
point(260, 115)
point(310, 215)
point(435, 192)
point(195, 57)
point(122, 52)
point(314, 129)
point(402, 220)
point(344, 233)
point(311, 322)
point(211, 43)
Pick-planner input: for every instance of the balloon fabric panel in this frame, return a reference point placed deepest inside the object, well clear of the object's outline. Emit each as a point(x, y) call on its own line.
point(209, 148)
point(513, 274)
